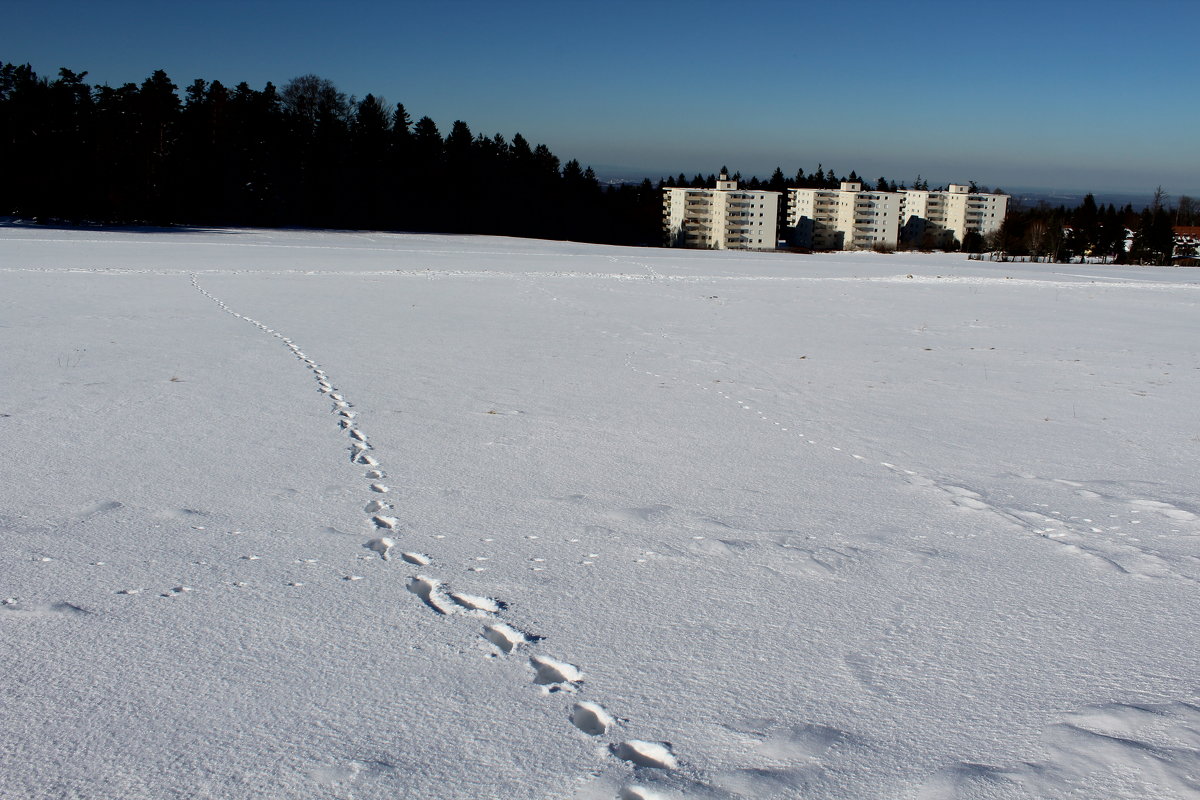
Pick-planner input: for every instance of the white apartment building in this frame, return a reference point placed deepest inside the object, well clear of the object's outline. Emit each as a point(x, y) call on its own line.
point(943, 219)
point(851, 218)
point(724, 218)
point(847, 218)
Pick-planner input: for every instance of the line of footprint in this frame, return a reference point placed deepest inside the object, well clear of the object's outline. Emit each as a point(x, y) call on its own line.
point(1071, 532)
point(550, 675)
point(652, 272)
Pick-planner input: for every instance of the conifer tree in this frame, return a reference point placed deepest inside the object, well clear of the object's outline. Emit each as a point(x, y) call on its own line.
point(370, 202)
point(777, 182)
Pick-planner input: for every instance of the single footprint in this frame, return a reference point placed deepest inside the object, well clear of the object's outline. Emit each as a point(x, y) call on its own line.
point(427, 589)
point(382, 545)
point(591, 718)
point(640, 793)
point(506, 637)
point(646, 754)
point(555, 673)
point(476, 603)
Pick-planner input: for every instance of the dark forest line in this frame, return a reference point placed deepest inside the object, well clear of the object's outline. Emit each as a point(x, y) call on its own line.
point(1091, 231)
point(305, 155)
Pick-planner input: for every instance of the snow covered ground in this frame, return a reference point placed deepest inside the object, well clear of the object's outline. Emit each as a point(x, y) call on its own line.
point(656, 523)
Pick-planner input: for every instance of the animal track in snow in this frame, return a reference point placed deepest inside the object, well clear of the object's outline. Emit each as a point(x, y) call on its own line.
point(1126, 555)
point(1166, 509)
point(473, 602)
point(1108, 490)
point(644, 793)
point(382, 545)
point(506, 637)
point(549, 672)
point(385, 522)
point(966, 497)
point(1078, 533)
point(591, 718)
point(429, 590)
point(646, 754)
point(552, 675)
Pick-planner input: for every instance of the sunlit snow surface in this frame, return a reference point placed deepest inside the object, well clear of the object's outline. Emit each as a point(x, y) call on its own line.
point(656, 523)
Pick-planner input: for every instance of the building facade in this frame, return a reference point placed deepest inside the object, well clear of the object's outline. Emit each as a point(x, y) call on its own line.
point(853, 218)
point(945, 219)
point(724, 218)
point(846, 218)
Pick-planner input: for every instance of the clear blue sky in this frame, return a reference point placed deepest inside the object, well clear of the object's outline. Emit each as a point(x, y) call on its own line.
point(1058, 94)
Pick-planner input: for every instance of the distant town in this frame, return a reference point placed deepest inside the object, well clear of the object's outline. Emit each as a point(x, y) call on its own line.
point(849, 217)
point(718, 214)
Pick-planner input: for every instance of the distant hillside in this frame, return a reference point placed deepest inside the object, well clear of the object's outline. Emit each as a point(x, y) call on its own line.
point(1070, 199)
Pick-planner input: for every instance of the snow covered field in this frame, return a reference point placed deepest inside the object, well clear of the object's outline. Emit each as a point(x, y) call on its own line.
point(656, 523)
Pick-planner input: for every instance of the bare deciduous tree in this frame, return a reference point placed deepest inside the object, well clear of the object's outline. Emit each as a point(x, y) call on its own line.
point(312, 98)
